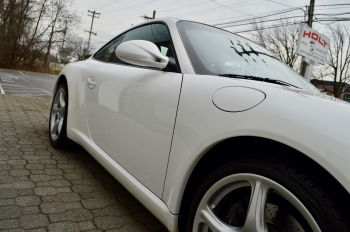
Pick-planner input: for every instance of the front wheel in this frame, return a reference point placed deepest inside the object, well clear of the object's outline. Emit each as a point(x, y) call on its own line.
point(259, 195)
point(58, 117)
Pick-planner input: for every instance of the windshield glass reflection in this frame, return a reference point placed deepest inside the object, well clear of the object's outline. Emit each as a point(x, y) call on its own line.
point(216, 52)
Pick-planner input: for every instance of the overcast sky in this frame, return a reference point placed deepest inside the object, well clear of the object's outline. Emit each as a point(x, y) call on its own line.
point(118, 15)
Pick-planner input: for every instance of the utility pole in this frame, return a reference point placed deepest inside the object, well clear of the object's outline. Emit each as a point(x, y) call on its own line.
point(304, 67)
point(92, 22)
point(64, 38)
point(311, 13)
point(64, 33)
point(150, 18)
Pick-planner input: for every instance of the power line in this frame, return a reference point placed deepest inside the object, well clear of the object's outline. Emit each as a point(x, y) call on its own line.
point(340, 7)
point(217, 8)
point(236, 4)
point(106, 4)
point(200, 11)
point(229, 7)
point(259, 22)
point(335, 5)
point(274, 26)
point(184, 7)
point(261, 14)
point(279, 3)
point(335, 19)
point(120, 22)
point(343, 13)
point(131, 6)
point(212, 10)
point(254, 18)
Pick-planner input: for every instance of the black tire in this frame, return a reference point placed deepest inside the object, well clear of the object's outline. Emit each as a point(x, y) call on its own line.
point(326, 201)
point(58, 138)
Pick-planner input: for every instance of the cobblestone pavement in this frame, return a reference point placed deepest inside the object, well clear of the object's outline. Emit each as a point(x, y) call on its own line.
point(45, 189)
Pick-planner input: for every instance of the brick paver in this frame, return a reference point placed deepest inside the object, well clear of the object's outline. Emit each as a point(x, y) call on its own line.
point(45, 189)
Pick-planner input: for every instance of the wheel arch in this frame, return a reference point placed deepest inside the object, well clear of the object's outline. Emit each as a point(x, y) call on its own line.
point(76, 114)
point(60, 79)
point(222, 152)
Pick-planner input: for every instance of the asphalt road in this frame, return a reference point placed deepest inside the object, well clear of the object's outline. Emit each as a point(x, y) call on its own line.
point(26, 83)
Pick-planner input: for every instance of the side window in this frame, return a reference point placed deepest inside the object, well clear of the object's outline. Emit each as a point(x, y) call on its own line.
point(107, 53)
point(155, 33)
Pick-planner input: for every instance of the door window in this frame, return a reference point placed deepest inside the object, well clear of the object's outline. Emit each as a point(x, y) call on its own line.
point(107, 53)
point(155, 33)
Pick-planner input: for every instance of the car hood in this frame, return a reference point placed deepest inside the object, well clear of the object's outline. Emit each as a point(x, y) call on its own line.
point(316, 95)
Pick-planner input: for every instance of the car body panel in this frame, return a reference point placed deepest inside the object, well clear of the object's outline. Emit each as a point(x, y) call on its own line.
point(280, 117)
point(152, 202)
point(77, 130)
point(131, 116)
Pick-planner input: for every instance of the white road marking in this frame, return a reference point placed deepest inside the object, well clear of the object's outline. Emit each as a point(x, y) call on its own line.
point(16, 86)
point(28, 94)
point(30, 91)
point(23, 74)
point(19, 83)
point(24, 90)
point(6, 79)
point(46, 91)
point(10, 76)
point(1, 90)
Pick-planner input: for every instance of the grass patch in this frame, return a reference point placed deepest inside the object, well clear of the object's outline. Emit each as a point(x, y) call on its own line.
point(56, 69)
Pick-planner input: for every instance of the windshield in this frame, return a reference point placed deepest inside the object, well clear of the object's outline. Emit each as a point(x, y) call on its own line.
point(217, 52)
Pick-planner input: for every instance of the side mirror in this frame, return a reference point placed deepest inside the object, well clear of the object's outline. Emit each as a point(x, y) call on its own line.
point(142, 53)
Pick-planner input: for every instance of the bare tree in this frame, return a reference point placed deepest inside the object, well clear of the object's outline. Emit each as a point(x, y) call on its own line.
point(76, 47)
point(336, 68)
point(281, 40)
point(31, 29)
point(14, 18)
point(61, 16)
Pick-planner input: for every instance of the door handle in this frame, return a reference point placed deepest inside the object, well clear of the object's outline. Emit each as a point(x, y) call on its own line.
point(91, 82)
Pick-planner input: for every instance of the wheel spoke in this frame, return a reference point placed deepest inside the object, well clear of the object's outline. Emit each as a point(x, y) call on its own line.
point(62, 101)
point(55, 109)
point(60, 123)
point(255, 220)
point(214, 224)
point(55, 128)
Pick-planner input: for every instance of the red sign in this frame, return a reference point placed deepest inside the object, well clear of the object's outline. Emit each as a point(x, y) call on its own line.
point(312, 45)
point(315, 37)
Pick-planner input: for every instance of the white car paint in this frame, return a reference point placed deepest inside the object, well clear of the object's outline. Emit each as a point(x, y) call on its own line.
point(237, 99)
point(283, 116)
point(280, 117)
point(129, 50)
point(131, 116)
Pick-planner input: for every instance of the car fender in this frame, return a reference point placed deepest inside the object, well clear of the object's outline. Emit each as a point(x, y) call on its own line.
point(75, 73)
point(296, 118)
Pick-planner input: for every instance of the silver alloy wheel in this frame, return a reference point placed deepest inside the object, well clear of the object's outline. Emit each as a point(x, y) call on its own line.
point(58, 110)
point(256, 219)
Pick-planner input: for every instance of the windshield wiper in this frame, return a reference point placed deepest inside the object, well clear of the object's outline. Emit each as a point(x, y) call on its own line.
point(247, 77)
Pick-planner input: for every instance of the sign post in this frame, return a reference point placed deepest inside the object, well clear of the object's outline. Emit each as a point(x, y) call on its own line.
point(313, 46)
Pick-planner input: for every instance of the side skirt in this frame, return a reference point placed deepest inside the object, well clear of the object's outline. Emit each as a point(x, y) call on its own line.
point(155, 205)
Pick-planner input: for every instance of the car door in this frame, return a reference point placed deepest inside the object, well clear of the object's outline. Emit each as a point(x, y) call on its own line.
point(131, 110)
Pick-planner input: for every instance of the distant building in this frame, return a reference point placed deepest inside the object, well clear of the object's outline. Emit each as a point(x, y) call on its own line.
point(327, 86)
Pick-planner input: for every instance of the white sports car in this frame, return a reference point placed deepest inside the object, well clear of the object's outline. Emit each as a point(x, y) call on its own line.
point(208, 130)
